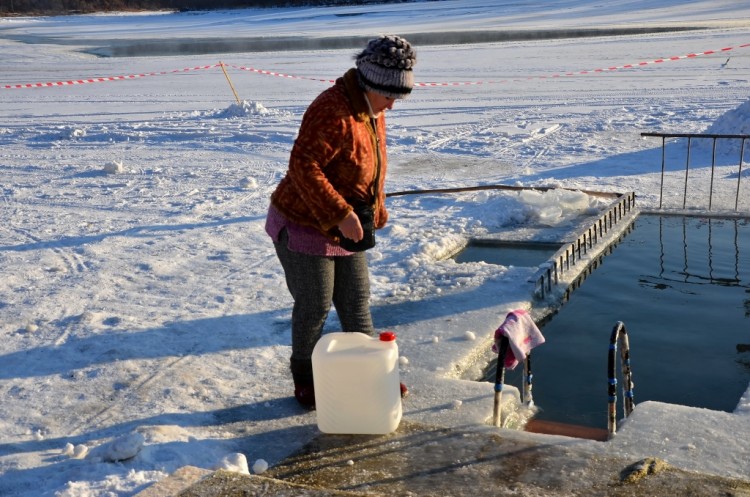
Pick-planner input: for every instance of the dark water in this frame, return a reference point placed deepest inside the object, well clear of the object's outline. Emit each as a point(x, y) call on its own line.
point(681, 285)
point(166, 46)
point(508, 254)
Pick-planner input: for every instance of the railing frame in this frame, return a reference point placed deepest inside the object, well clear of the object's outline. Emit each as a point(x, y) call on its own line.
point(571, 253)
point(690, 137)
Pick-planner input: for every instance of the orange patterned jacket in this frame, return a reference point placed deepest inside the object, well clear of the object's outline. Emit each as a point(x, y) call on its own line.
point(334, 159)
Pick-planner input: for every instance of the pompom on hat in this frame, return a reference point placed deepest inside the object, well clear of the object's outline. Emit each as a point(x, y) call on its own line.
point(385, 66)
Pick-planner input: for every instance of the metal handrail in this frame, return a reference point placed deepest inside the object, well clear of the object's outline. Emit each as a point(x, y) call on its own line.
point(497, 414)
point(569, 254)
point(619, 335)
point(690, 137)
point(526, 398)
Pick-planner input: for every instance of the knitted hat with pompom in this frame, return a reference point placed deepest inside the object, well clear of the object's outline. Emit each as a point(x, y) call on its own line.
point(385, 66)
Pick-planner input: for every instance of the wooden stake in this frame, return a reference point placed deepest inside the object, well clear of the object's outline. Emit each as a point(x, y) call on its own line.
point(230, 82)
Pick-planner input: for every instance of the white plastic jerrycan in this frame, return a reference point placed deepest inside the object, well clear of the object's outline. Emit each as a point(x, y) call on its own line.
point(357, 383)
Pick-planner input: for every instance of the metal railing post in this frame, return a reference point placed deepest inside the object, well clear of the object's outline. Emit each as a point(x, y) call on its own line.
point(526, 395)
point(713, 168)
point(687, 168)
point(663, 166)
point(739, 175)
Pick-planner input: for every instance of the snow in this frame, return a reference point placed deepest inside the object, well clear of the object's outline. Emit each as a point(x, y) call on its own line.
point(145, 316)
point(235, 462)
point(260, 466)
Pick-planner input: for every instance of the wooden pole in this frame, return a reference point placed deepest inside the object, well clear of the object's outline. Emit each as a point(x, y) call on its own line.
point(230, 82)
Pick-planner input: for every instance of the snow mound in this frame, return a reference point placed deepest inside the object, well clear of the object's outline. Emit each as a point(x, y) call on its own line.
point(120, 449)
point(166, 434)
point(77, 133)
point(236, 462)
point(244, 109)
point(557, 206)
point(249, 183)
point(114, 167)
point(75, 451)
point(733, 122)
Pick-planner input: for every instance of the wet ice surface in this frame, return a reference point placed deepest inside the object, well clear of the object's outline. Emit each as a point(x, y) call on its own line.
point(422, 460)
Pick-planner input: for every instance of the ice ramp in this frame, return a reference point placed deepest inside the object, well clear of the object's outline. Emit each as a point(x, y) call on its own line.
point(417, 460)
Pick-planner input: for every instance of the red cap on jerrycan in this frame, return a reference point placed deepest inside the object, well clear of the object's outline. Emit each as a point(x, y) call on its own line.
point(387, 336)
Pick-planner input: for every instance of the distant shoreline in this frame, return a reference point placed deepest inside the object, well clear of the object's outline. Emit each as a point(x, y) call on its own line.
point(211, 45)
point(21, 8)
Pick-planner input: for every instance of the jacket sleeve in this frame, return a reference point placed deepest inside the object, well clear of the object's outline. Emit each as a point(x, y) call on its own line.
point(317, 144)
point(381, 216)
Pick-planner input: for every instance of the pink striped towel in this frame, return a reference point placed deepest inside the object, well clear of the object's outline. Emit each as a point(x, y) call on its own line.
point(523, 335)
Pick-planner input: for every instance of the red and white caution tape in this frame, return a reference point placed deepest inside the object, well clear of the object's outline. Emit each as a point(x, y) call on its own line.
point(592, 71)
point(281, 75)
point(423, 85)
point(104, 79)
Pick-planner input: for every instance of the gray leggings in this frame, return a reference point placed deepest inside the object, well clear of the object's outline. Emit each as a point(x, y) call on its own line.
point(315, 282)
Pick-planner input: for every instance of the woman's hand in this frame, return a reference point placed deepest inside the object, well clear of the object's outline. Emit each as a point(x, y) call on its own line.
point(351, 228)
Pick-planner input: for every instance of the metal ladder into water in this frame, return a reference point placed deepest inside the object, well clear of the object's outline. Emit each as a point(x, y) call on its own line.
point(618, 340)
point(619, 337)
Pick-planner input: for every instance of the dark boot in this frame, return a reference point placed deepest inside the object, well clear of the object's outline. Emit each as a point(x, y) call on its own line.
point(304, 390)
point(305, 395)
point(404, 390)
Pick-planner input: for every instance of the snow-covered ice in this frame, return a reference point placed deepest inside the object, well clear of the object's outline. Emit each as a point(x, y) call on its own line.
point(144, 315)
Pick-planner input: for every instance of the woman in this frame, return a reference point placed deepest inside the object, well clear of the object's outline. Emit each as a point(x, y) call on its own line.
point(338, 162)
